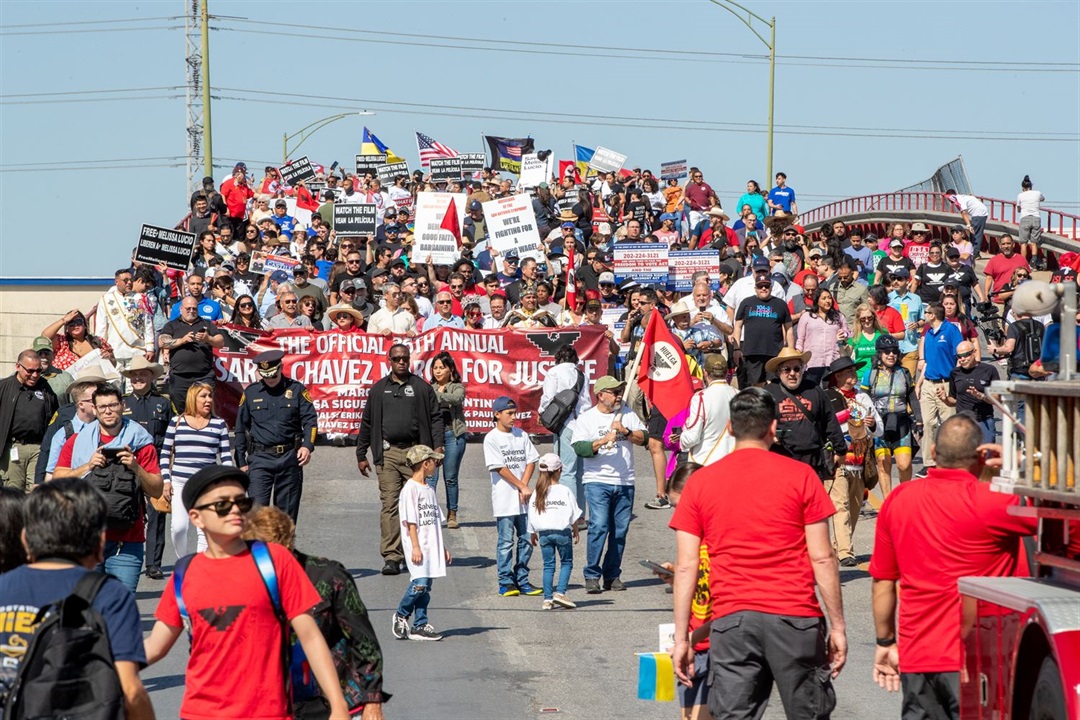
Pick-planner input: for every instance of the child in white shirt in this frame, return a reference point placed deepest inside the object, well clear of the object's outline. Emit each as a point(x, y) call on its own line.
point(553, 515)
point(422, 543)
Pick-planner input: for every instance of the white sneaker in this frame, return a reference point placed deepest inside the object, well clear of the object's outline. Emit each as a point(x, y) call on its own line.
point(549, 604)
point(563, 601)
point(400, 627)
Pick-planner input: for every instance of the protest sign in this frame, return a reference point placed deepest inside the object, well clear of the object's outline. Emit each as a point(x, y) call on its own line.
point(472, 162)
point(566, 202)
point(683, 264)
point(534, 170)
point(511, 227)
point(352, 219)
point(297, 170)
point(428, 237)
point(340, 368)
point(605, 160)
point(674, 170)
point(369, 164)
point(159, 245)
point(610, 315)
point(391, 172)
point(645, 263)
point(264, 264)
point(443, 169)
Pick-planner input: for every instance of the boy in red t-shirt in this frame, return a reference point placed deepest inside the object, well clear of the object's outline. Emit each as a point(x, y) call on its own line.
point(235, 668)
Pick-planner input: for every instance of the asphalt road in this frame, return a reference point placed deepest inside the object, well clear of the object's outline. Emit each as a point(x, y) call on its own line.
point(505, 657)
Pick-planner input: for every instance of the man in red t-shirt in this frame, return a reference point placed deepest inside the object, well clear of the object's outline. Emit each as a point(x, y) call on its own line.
point(999, 269)
point(110, 440)
point(929, 534)
point(235, 667)
point(767, 622)
point(237, 191)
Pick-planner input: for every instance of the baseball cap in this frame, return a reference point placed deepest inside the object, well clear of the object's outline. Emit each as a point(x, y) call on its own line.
point(897, 243)
point(763, 281)
point(208, 180)
point(952, 252)
point(399, 260)
point(814, 252)
point(715, 364)
point(607, 277)
point(549, 462)
point(209, 476)
point(607, 382)
point(393, 228)
point(475, 205)
point(604, 228)
point(281, 203)
point(760, 262)
point(42, 343)
point(503, 403)
point(593, 305)
point(299, 270)
point(419, 453)
point(567, 224)
point(354, 284)
point(279, 276)
point(542, 186)
point(901, 273)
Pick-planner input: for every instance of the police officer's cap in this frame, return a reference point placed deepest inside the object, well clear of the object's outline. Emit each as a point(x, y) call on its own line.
point(269, 362)
point(209, 476)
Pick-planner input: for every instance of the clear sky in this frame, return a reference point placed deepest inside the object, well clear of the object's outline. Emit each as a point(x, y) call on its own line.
point(850, 118)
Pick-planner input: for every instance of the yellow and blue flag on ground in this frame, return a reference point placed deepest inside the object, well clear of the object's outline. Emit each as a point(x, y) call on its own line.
point(582, 156)
point(372, 145)
point(656, 677)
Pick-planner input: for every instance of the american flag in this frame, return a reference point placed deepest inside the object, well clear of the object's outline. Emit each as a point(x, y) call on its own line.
point(513, 151)
point(429, 148)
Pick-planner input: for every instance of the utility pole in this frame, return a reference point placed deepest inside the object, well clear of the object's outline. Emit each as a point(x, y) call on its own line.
point(208, 148)
point(193, 99)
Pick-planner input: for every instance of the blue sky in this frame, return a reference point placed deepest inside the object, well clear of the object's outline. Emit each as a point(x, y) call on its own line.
point(284, 59)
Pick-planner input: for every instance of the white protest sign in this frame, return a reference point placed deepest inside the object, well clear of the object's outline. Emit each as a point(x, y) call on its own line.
point(674, 170)
point(684, 263)
point(645, 263)
point(534, 170)
point(94, 358)
point(264, 264)
point(511, 227)
point(606, 160)
point(429, 239)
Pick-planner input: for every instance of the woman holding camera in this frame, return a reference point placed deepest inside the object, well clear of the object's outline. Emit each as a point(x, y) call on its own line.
point(892, 390)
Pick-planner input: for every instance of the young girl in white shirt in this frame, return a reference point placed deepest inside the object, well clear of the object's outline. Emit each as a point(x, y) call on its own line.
point(553, 514)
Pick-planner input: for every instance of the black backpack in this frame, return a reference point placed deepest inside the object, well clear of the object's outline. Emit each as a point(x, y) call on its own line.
point(562, 406)
point(68, 671)
point(122, 492)
point(1028, 345)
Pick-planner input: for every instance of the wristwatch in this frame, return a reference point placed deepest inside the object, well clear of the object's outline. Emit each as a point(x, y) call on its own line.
point(886, 642)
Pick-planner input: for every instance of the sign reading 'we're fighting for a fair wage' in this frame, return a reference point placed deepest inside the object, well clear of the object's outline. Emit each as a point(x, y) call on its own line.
point(158, 246)
point(512, 227)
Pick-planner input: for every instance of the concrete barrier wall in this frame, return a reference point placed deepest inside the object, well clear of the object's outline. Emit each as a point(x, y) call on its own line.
point(27, 305)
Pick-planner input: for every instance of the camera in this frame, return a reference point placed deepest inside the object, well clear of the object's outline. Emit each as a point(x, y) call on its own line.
point(990, 322)
point(112, 455)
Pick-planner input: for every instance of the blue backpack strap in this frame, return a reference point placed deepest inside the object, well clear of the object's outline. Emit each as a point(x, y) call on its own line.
point(265, 563)
point(178, 584)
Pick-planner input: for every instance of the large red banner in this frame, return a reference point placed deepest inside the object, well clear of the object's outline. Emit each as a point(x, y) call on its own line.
point(339, 368)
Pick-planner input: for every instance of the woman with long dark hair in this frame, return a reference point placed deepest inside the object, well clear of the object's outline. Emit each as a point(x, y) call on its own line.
point(822, 330)
point(75, 342)
point(446, 380)
point(246, 313)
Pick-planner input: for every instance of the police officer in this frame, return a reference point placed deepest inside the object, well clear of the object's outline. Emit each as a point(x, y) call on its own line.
point(154, 412)
point(275, 434)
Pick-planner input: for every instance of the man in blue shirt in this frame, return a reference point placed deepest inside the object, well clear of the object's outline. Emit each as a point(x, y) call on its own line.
point(209, 309)
point(862, 254)
point(910, 307)
point(782, 197)
point(286, 223)
point(937, 358)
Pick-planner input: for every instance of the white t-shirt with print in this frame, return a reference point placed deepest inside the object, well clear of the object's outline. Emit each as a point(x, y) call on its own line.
point(514, 451)
point(613, 464)
point(560, 510)
point(418, 504)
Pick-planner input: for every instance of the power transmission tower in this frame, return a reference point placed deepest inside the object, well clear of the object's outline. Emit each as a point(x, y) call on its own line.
point(197, 72)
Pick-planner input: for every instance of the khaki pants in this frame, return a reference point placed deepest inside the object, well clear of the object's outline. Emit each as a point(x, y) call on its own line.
point(393, 474)
point(910, 361)
point(846, 491)
point(19, 473)
point(934, 412)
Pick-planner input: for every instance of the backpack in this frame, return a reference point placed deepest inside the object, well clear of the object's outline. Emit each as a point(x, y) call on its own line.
point(68, 670)
point(562, 406)
point(1028, 345)
point(121, 490)
point(293, 659)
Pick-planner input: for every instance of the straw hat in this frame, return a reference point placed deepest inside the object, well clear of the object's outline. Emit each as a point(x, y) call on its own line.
point(336, 310)
point(787, 354)
point(139, 362)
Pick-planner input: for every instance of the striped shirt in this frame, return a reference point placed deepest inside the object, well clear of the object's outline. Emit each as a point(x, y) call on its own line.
point(185, 446)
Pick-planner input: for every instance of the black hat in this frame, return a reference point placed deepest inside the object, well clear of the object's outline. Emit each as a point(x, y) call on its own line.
point(390, 212)
point(209, 476)
point(379, 272)
point(397, 261)
point(840, 363)
point(269, 362)
point(208, 180)
point(886, 342)
point(392, 228)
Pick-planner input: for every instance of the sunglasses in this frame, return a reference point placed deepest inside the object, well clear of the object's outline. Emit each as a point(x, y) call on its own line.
point(475, 314)
point(442, 302)
point(223, 507)
point(400, 358)
point(964, 355)
point(246, 306)
point(791, 370)
point(30, 371)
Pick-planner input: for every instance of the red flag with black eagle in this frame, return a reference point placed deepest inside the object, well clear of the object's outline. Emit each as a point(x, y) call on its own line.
point(664, 373)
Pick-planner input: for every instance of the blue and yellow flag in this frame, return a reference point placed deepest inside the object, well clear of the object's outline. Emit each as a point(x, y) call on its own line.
point(582, 156)
point(656, 677)
point(372, 145)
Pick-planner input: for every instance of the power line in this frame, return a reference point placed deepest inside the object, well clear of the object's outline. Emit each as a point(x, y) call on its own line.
point(89, 30)
point(695, 53)
point(87, 22)
point(629, 122)
point(90, 162)
point(89, 92)
point(92, 167)
point(6, 103)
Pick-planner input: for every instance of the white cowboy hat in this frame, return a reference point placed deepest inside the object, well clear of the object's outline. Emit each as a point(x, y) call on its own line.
point(336, 310)
point(717, 212)
point(139, 362)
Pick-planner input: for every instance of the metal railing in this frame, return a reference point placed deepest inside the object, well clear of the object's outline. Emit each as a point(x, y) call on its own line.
point(1002, 211)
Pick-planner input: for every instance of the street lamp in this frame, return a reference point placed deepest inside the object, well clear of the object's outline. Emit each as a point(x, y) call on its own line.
point(307, 131)
point(771, 44)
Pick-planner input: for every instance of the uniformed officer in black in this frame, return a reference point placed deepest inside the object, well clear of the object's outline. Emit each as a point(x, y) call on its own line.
point(146, 406)
point(275, 434)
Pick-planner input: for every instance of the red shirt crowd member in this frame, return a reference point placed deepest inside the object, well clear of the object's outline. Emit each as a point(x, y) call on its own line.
point(999, 268)
point(767, 551)
point(235, 668)
point(930, 533)
point(699, 194)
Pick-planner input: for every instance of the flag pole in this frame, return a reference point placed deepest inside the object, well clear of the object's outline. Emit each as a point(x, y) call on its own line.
point(631, 382)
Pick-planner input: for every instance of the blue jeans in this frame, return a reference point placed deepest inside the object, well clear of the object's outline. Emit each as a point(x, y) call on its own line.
point(415, 601)
point(609, 519)
point(454, 448)
point(988, 429)
point(511, 573)
point(552, 541)
point(1020, 404)
point(123, 560)
point(571, 463)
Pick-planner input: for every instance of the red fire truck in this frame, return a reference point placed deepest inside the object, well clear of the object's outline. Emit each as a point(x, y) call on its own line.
point(1022, 635)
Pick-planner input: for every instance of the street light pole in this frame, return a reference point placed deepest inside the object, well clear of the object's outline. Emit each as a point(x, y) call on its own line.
point(308, 130)
point(771, 44)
